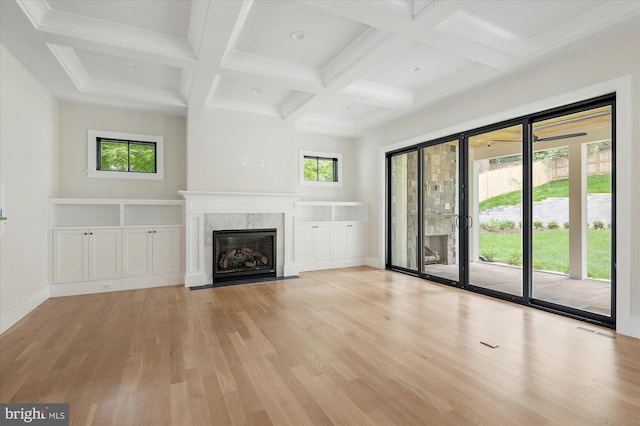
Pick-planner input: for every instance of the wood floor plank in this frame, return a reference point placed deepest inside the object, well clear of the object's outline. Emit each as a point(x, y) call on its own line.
point(346, 346)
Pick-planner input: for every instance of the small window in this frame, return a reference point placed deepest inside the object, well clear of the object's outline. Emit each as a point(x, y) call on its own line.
point(124, 155)
point(320, 168)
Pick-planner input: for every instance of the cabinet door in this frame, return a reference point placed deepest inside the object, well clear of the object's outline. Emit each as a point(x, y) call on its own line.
point(322, 241)
point(70, 256)
point(137, 252)
point(339, 240)
point(304, 242)
point(356, 240)
point(105, 254)
point(167, 251)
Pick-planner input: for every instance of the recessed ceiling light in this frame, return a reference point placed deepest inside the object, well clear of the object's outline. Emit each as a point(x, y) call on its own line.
point(133, 69)
point(414, 68)
point(298, 35)
point(255, 90)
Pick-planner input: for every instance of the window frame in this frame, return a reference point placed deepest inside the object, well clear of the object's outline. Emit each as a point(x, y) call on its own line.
point(337, 168)
point(93, 170)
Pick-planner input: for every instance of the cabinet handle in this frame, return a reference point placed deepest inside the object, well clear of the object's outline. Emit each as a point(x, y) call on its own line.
point(86, 233)
point(90, 233)
point(154, 232)
point(149, 232)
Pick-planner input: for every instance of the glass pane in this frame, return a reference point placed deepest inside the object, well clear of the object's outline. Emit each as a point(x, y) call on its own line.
point(310, 168)
point(572, 210)
point(495, 209)
point(440, 210)
point(404, 210)
point(113, 156)
point(325, 169)
point(142, 157)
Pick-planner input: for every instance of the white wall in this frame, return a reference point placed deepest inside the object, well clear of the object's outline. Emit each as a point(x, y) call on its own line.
point(516, 95)
point(231, 151)
point(334, 145)
point(28, 174)
point(76, 120)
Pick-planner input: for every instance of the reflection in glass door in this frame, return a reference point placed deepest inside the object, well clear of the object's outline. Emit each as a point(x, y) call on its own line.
point(403, 210)
point(441, 254)
point(495, 246)
point(572, 210)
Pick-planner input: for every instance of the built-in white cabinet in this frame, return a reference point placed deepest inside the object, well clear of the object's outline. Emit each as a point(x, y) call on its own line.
point(152, 251)
point(102, 244)
point(330, 235)
point(86, 255)
point(313, 242)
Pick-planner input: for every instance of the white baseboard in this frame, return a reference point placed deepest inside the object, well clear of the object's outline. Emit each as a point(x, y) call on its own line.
point(22, 309)
point(89, 287)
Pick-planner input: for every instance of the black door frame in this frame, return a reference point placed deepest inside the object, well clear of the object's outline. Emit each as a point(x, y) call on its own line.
point(527, 122)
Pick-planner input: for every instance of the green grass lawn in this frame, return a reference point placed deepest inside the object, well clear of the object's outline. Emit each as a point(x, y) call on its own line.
point(596, 184)
point(551, 250)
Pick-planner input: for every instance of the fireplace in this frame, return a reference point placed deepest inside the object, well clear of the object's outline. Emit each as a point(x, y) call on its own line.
point(244, 253)
point(436, 249)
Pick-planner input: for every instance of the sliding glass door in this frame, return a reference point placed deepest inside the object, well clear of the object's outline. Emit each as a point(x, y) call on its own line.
point(440, 211)
point(495, 205)
point(403, 211)
point(523, 210)
point(572, 210)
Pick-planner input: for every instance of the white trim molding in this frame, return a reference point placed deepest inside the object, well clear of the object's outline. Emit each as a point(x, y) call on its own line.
point(20, 310)
point(627, 321)
point(92, 164)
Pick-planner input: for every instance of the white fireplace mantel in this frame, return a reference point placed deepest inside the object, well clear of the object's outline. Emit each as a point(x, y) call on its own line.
point(200, 203)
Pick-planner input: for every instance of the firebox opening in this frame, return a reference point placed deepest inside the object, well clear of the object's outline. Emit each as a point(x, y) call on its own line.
point(244, 253)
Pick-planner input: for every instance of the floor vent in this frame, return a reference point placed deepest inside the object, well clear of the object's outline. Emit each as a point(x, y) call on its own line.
point(599, 333)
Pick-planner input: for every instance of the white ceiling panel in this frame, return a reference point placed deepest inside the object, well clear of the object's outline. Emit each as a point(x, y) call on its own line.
point(270, 25)
point(100, 66)
point(164, 16)
point(529, 18)
point(346, 110)
point(414, 66)
point(244, 91)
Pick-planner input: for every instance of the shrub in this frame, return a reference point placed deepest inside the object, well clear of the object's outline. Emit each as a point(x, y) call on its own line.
point(553, 225)
point(566, 225)
point(537, 224)
point(598, 225)
point(489, 254)
point(515, 258)
point(497, 225)
point(506, 224)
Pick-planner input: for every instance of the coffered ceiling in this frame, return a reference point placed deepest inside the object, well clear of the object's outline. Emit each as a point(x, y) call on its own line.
point(335, 67)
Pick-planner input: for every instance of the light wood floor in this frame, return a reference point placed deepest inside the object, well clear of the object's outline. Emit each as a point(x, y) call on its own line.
point(344, 347)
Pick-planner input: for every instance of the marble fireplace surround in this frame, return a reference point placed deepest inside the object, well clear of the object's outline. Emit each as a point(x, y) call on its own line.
point(206, 211)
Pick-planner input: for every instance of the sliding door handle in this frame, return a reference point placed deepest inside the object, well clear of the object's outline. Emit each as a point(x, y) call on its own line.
point(469, 222)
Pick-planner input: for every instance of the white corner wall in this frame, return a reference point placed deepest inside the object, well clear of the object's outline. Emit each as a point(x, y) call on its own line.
point(28, 176)
point(614, 65)
point(76, 120)
point(230, 151)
